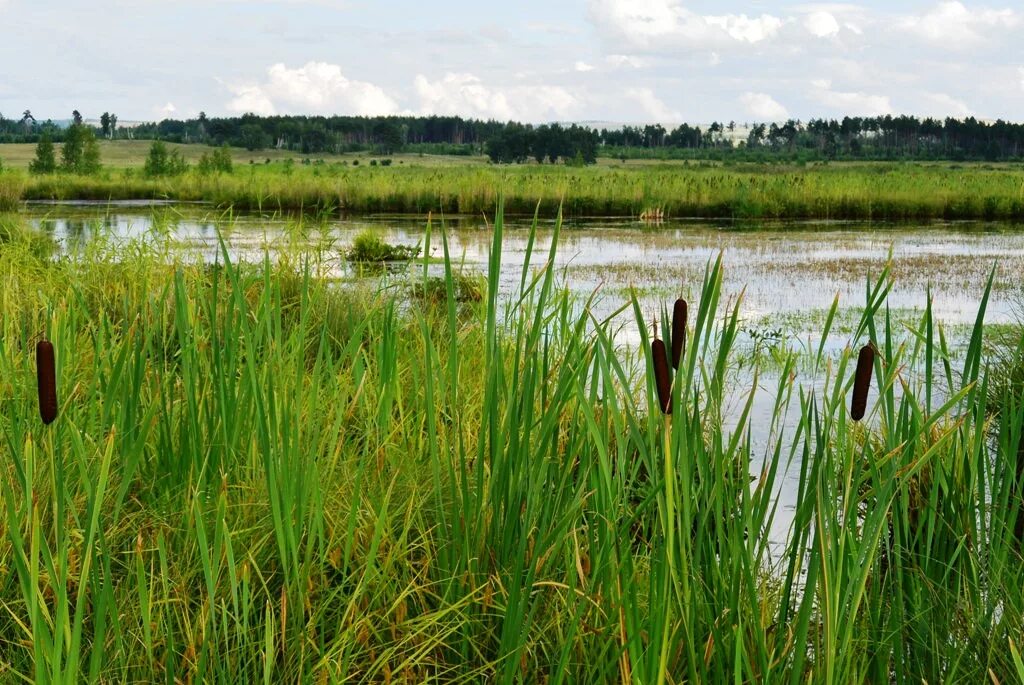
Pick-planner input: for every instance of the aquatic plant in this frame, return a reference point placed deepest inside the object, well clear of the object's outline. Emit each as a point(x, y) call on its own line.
point(258, 475)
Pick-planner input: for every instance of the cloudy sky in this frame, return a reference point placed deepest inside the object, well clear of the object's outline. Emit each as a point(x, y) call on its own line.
point(531, 60)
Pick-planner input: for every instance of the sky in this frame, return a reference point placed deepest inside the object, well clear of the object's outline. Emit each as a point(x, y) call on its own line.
point(632, 61)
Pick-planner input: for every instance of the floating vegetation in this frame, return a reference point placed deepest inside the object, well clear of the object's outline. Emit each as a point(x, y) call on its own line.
point(369, 248)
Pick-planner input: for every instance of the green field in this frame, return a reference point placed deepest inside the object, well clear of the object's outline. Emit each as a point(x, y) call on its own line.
point(421, 184)
point(258, 476)
point(131, 154)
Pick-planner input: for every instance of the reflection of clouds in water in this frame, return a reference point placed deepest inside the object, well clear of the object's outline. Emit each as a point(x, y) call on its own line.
point(796, 267)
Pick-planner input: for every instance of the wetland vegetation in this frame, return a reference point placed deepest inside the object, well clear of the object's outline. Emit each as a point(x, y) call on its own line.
point(872, 192)
point(262, 473)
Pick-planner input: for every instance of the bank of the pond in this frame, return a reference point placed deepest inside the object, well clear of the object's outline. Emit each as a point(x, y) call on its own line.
point(864, 192)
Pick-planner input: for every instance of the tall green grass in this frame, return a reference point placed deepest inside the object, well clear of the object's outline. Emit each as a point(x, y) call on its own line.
point(258, 476)
point(865, 192)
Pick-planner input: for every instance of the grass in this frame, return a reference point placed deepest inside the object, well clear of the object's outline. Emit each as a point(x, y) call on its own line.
point(866, 192)
point(258, 476)
point(369, 248)
point(131, 154)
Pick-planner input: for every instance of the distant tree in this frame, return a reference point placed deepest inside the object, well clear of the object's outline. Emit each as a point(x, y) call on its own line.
point(388, 136)
point(27, 120)
point(202, 122)
point(163, 162)
point(45, 161)
point(76, 117)
point(755, 138)
point(105, 124)
point(252, 137)
point(113, 125)
point(80, 153)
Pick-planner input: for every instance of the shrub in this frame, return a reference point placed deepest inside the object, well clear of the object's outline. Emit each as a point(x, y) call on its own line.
point(80, 153)
point(218, 162)
point(368, 248)
point(46, 159)
point(164, 162)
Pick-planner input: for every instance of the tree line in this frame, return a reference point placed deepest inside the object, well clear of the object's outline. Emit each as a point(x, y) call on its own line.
point(869, 138)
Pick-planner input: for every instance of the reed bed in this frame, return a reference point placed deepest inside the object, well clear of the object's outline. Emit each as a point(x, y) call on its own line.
point(256, 476)
point(865, 192)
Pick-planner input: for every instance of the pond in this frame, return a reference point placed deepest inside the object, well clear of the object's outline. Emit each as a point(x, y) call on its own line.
point(788, 273)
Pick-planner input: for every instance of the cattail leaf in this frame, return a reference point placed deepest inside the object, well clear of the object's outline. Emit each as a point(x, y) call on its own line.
point(46, 381)
point(661, 375)
point(678, 332)
point(862, 382)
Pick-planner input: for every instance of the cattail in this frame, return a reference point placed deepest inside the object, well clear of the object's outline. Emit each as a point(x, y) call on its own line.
point(661, 375)
point(678, 332)
point(46, 381)
point(862, 382)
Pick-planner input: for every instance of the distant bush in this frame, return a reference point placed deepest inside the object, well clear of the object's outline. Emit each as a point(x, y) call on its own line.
point(163, 162)
point(46, 159)
point(369, 248)
point(80, 153)
point(385, 162)
point(218, 162)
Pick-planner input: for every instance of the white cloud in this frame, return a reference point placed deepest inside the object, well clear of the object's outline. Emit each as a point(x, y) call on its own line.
point(763, 106)
point(583, 66)
point(652, 106)
point(862, 104)
point(747, 29)
point(821, 24)
point(649, 24)
point(466, 95)
point(165, 112)
point(625, 61)
point(943, 105)
point(952, 24)
point(315, 88)
point(251, 99)
point(1020, 72)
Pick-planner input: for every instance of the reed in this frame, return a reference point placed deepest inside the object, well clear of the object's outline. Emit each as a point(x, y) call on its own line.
point(261, 476)
point(872, 192)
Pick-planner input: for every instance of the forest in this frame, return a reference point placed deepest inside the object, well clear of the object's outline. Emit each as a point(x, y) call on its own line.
point(850, 138)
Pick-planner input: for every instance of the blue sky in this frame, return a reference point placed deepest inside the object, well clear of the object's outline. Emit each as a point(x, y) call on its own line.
point(606, 60)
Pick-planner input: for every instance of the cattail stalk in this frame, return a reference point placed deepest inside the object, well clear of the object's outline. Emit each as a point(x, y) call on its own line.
point(46, 381)
point(862, 382)
point(678, 332)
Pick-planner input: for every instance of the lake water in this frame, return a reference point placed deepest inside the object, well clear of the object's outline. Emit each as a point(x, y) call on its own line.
point(790, 271)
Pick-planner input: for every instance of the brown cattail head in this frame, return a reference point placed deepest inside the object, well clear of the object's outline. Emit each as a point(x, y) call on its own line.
point(678, 332)
point(46, 380)
point(862, 382)
point(661, 375)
